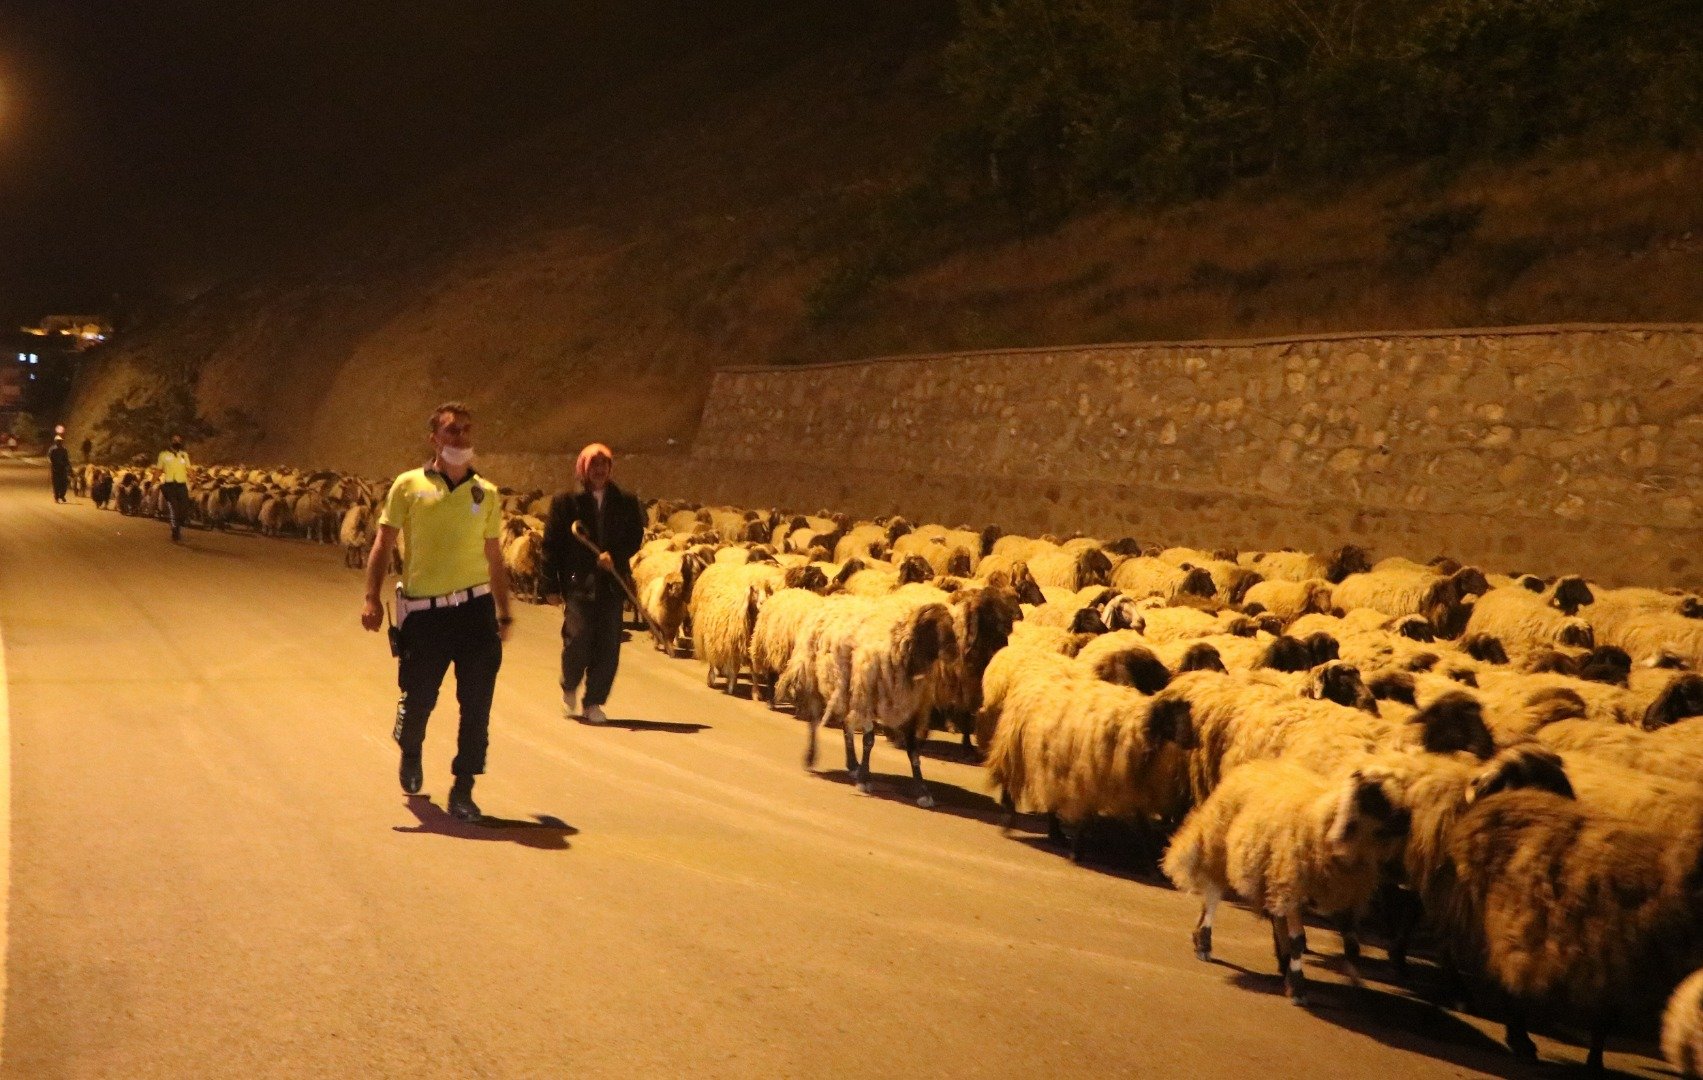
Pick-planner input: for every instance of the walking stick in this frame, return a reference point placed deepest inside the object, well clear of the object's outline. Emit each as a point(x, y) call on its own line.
point(580, 535)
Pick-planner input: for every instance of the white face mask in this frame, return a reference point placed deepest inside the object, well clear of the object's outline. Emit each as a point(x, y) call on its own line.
point(456, 457)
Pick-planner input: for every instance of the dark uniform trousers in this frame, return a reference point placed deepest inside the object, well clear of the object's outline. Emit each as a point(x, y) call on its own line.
point(431, 640)
point(591, 639)
point(177, 504)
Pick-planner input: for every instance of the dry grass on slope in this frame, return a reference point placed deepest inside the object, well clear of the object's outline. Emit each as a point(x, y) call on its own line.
point(1563, 240)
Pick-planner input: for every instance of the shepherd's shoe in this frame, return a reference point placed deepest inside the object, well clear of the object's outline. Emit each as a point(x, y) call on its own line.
point(594, 715)
point(570, 705)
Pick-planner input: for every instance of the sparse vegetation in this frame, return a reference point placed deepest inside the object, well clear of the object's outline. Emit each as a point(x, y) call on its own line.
point(144, 420)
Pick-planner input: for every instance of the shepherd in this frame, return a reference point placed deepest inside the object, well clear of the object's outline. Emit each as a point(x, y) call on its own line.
point(588, 584)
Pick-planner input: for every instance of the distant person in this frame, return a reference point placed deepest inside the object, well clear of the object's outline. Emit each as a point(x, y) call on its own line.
point(59, 464)
point(453, 603)
point(591, 615)
point(88, 450)
point(174, 485)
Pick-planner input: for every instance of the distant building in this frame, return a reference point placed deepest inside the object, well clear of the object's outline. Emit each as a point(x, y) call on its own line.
point(82, 331)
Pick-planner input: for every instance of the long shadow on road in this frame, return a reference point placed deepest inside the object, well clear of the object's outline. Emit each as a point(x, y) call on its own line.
point(544, 832)
point(948, 798)
point(676, 727)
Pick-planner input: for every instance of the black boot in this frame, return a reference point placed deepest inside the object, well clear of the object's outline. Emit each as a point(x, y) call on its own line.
point(410, 773)
point(461, 804)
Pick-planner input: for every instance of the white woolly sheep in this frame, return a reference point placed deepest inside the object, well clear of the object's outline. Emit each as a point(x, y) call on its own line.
point(1523, 620)
point(1080, 749)
point(886, 670)
point(1287, 840)
point(1299, 566)
point(1144, 576)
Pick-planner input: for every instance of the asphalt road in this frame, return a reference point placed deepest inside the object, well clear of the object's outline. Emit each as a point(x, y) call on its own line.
point(214, 874)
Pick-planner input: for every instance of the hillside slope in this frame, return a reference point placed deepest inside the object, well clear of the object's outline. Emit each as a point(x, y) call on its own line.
point(585, 283)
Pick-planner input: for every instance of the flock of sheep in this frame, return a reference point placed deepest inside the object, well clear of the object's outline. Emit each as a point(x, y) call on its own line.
point(1512, 764)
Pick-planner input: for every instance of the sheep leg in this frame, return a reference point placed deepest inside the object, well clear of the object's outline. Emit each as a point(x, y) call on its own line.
point(1055, 829)
point(1010, 806)
point(851, 751)
point(924, 799)
point(1079, 841)
point(810, 746)
point(1203, 928)
point(1599, 1039)
point(1518, 1039)
point(1407, 917)
point(1351, 947)
point(863, 783)
point(1295, 979)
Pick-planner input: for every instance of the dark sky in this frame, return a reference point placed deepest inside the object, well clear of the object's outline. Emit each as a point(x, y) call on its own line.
point(148, 147)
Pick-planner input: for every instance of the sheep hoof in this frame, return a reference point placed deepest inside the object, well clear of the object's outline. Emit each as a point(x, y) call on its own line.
point(925, 800)
point(1521, 1046)
point(1203, 943)
point(1299, 1001)
point(865, 787)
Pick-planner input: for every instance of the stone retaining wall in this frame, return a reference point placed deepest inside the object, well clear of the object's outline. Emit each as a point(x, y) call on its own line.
point(1549, 449)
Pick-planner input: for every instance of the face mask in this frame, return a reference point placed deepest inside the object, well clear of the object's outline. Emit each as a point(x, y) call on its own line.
point(177, 446)
point(455, 456)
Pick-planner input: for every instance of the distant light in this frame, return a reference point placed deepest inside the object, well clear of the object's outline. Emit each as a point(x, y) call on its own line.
point(34, 359)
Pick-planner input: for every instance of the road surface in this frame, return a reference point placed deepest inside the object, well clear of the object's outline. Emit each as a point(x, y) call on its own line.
point(213, 872)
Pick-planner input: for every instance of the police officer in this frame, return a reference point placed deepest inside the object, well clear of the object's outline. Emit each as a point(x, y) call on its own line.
point(453, 605)
point(591, 617)
point(174, 484)
point(59, 463)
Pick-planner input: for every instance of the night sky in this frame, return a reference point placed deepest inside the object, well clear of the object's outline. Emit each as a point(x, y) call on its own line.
point(149, 147)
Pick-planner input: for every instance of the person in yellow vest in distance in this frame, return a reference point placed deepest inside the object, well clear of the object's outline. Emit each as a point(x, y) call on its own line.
point(174, 484)
point(452, 606)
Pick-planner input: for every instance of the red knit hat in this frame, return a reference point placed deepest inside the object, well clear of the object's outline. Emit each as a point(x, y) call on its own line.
point(582, 465)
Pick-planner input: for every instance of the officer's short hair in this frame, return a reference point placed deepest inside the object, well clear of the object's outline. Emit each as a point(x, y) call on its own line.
point(454, 407)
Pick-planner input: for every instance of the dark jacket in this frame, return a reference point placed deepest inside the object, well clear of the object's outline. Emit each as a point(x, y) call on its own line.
point(569, 566)
point(59, 459)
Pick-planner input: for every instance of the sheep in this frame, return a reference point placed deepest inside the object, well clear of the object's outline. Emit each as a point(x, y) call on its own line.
point(1289, 600)
point(945, 554)
point(1286, 840)
point(1014, 665)
point(779, 620)
point(1615, 790)
point(1176, 623)
point(355, 533)
point(1647, 634)
point(1144, 576)
point(1124, 657)
point(1079, 749)
point(1682, 1028)
point(1230, 579)
point(1680, 699)
point(1658, 753)
point(1602, 703)
point(1062, 640)
point(723, 611)
point(1435, 790)
point(523, 557)
point(884, 674)
point(1070, 569)
point(1298, 566)
point(1523, 621)
point(1572, 911)
point(1016, 548)
point(982, 621)
point(1238, 718)
point(1441, 599)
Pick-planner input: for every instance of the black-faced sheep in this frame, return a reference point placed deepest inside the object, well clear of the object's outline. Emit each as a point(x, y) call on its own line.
point(1287, 840)
point(1572, 912)
point(1299, 566)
